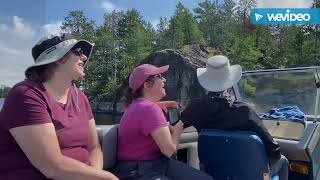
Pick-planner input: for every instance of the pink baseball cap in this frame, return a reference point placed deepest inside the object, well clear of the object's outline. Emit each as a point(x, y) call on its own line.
point(141, 73)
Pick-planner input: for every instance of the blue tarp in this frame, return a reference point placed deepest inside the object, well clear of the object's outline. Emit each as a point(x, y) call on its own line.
point(287, 113)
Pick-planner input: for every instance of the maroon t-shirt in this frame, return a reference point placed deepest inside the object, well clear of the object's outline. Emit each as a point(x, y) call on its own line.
point(28, 103)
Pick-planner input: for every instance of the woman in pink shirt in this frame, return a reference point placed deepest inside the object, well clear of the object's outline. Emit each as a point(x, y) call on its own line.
point(47, 130)
point(146, 141)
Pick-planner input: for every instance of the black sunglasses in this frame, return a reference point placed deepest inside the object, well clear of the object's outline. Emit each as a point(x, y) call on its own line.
point(158, 76)
point(78, 51)
point(153, 77)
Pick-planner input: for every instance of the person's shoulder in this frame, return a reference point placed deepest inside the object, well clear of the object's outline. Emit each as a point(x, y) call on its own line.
point(26, 91)
point(26, 87)
point(145, 105)
point(242, 106)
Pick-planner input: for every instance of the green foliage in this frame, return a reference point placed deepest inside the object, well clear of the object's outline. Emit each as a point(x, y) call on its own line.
point(249, 89)
point(267, 45)
point(182, 30)
point(121, 43)
point(161, 35)
point(124, 39)
point(245, 52)
point(292, 38)
point(136, 41)
point(4, 91)
point(110, 88)
point(211, 22)
point(79, 25)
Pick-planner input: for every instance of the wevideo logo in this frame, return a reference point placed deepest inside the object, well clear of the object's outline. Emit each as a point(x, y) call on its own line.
point(285, 16)
point(258, 16)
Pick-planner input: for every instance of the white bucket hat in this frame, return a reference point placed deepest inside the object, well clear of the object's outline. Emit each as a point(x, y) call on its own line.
point(53, 48)
point(218, 74)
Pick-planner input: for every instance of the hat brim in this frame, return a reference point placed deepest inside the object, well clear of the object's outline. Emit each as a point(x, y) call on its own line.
point(62, 50)
point(219, 84)
point(159, 70)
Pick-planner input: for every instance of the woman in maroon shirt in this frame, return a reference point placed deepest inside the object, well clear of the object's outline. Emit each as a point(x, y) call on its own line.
point(47, 130)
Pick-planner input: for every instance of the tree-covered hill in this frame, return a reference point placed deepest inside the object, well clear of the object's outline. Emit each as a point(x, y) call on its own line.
point(219, 27)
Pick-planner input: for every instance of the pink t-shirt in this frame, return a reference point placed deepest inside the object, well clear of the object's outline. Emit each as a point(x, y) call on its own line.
point(28, 103)
point(139, 120)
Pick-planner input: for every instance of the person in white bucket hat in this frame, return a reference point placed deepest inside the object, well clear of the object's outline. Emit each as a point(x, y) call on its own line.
point(218, 74)
point(218, 110)
point(46, 124)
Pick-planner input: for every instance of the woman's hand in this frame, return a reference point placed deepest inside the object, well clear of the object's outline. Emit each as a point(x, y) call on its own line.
point(177, 128)
point(167, 104)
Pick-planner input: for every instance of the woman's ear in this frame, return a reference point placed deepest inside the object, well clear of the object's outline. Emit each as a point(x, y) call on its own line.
point(147, 85)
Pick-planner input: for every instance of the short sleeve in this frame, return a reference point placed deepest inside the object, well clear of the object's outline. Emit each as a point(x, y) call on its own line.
point(24, 106)
point(152, 118)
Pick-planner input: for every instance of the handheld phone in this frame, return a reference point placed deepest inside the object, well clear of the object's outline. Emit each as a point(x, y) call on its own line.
point(173, 116)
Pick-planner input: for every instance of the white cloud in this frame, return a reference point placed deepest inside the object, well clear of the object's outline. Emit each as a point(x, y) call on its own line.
point(22, 29)
point(3, 27)
point(9, 51)
point(13, 63)
point(109, 6)
point(52, 28)
point(16, 41)
point(284, 3)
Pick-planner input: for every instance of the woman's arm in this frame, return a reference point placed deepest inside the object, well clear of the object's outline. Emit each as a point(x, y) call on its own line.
point(96, 157)
point(40, 145)
point(168, 141)
point(167, 104)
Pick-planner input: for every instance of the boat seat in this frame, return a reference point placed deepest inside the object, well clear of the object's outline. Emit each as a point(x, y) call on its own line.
point(233, 155)
point(109, 148)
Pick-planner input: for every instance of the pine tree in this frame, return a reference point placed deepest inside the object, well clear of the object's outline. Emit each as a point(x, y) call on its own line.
point(183, 29)
point(79, 25)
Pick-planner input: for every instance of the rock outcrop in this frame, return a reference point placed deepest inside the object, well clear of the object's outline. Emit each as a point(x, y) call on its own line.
point(182, 84)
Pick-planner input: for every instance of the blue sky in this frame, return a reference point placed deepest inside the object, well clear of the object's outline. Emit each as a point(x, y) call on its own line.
point(150, 9)
point(40, 12)
point(24, 22)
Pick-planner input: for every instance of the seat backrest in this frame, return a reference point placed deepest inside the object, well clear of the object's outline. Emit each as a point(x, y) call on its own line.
point(110, 147)
point(233, 155)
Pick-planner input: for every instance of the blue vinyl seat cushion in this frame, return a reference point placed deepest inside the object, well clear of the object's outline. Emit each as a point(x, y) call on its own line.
point(233, 155)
